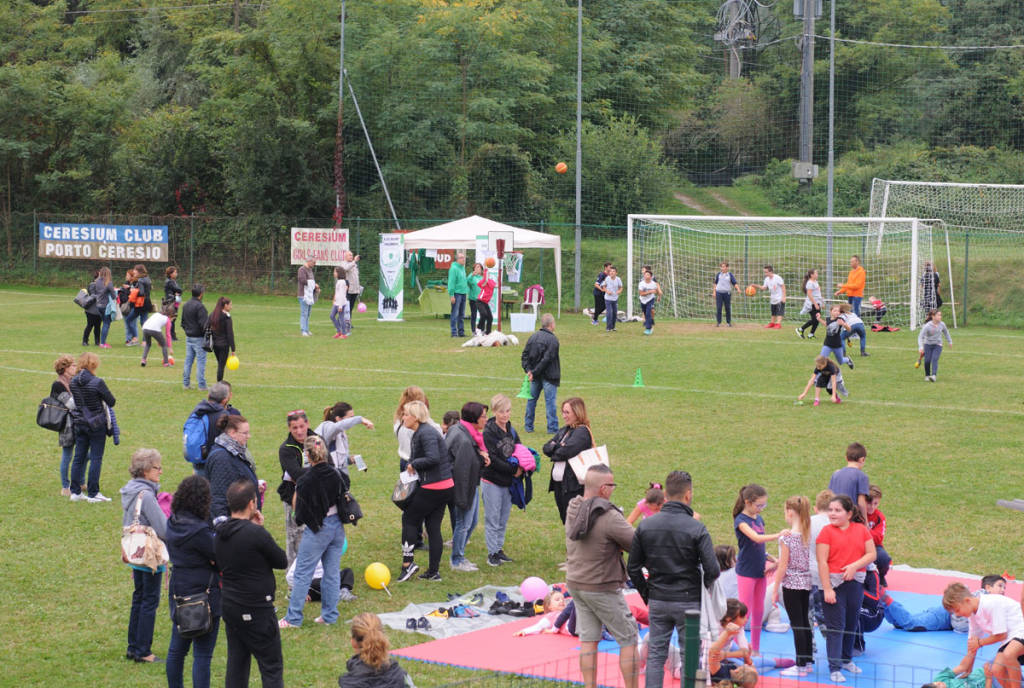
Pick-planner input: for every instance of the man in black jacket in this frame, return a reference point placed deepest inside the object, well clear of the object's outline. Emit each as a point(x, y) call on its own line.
point(193, 322)
point(544, 371)
point(247, 556)
point(674, 547)
point(290, 456)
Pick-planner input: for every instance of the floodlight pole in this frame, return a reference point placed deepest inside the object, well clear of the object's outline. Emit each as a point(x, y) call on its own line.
point(831, 184)
point(339, 142)
point(579, 150)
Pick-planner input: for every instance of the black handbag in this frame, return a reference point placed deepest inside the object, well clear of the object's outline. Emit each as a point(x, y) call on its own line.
point(349, 509)
point(403, 492)
point(192, 614)
point(52, 414)
point(208, 340)
point(85, 299)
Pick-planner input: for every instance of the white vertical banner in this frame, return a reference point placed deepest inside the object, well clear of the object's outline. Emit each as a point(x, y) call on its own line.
point(482, 254)
point(392, 277)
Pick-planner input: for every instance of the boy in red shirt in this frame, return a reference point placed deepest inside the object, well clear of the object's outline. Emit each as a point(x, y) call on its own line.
point(876, 524)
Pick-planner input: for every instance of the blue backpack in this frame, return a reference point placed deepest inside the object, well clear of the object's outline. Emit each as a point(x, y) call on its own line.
point(193, 437)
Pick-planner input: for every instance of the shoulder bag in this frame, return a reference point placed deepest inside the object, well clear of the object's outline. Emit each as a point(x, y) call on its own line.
point(52, 414)
point(85, 299)
point(587, 458)
point(140, 545)
point(403, 492)
point(208, 340)
point(192, 613)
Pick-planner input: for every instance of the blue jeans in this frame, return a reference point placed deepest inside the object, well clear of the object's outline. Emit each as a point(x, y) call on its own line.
point(145, 600)
point(858, 330)
point(855, 302)
point(665, 616)
point(65, 464)
point(465, 523)
point(723, 299)
point(497, 507)
point(105, 329)
point(648, 309)
point(89, 446)
point(341, 318)
point(458, 312)
point(550, 391)
point(839, 353)
point(931, 358)
point(202, 654)
point(304, 310)
point(841, 620)
point(194, 352)
point(611, 314)
point(325, 546)
point(131, 325)
point(931, 619)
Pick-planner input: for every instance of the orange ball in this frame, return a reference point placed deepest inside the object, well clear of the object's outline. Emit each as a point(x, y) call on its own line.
point(490, 262)
point(561, 168)
point(751, 290)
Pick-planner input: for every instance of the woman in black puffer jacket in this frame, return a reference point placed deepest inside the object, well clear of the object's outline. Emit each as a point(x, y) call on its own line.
point(90, 424)
point(429, 459)
point(189, 539)
point(371, 667)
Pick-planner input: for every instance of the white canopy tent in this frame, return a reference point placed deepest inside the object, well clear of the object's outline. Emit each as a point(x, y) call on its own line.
point(462, 234)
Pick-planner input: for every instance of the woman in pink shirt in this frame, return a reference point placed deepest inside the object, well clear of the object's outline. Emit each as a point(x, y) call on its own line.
point(483, 304)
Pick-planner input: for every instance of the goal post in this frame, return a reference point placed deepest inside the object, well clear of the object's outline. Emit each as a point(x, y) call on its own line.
point(684, 252)
point(983, 226)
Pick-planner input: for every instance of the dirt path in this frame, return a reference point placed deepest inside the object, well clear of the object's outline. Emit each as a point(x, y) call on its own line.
point(727, 203)
point(699, 207)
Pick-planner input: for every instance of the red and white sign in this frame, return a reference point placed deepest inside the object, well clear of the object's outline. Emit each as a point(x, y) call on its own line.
point(325, 246)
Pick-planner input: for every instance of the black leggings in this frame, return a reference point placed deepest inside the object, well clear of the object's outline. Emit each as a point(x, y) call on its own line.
point(812, 320)
point(427, 505)
point(797, 603)
point(221, 352)
point(563, 498)
point(598, 305)
point(92, 322)
point(723, 299)
point(486, 317)
point(474, 308)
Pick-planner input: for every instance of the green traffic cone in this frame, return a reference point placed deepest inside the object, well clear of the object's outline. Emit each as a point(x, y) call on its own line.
point(638, 381)
point(524, 390)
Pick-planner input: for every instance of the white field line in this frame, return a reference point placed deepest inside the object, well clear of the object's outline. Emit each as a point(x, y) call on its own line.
point(585, 385)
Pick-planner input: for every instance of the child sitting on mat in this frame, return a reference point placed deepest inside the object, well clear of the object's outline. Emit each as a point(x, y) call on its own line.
point(559, 614)
point(994, 619)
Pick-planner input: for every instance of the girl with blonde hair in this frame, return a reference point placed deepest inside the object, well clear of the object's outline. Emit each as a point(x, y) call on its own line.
point(370, 666)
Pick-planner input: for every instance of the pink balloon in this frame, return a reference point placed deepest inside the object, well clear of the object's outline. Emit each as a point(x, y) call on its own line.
point(361, 307)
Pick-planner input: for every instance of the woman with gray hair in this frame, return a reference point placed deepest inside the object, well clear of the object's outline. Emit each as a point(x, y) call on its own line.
point(139, 494)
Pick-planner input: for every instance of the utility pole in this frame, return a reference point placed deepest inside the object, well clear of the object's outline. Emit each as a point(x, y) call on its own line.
point(579, 151)
point(805, 170)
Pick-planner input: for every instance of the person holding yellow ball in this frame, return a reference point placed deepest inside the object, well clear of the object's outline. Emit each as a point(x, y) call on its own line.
point(223, 334)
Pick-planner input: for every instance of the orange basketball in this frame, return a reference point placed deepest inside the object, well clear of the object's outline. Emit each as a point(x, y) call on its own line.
point(561, 168)
point(751, 290)
point(489, 261)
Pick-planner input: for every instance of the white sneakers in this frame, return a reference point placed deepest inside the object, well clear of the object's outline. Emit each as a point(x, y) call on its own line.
point(466, 566)
point(837, 677)
point(80, 497)
point(852, 668)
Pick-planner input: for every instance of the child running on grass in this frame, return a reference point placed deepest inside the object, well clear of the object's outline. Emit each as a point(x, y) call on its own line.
point(994, 619)
point(793, 574)
point(825, 376)
point(651, 504)
point(812, 304)
point(833, 344)
point(750, 565)
point(929, 343)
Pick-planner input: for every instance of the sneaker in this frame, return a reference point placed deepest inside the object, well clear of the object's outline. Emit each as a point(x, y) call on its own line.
point(344, 336)
point(493, 560)
point(800, 333)
point(104, 346)
point(168, 364)
point(320, 620)
point(422, 624)
point(284, 624)
point(466, 566)
point(345, 595)
point(79, 497)
point(793, 671)
point(99, 497)
point(817, 402)
point(501, 555)
point(430, 576)
point(337, 335)
point(728, 325)
point(408, 573)
point(837, 677)
point(647, 331)
point(593, 322)
point(864, 353)
point(143, 363)
point(849, 362)
point(852, 668)
point(838, 400)
point(307, 334)
point(928, 378)
point(770, 326)
point(410, 623)
point(810, 336)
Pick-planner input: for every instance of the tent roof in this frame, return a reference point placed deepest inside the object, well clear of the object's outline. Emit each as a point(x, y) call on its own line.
point(463, 233)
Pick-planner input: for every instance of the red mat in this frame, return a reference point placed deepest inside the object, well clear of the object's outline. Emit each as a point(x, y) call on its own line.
point(556, 657)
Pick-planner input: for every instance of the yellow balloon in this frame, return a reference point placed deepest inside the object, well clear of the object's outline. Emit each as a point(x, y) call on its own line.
point(232, 362)
point(377, 575)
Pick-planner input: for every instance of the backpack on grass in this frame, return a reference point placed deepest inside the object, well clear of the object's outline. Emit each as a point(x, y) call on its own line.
point(193, 437)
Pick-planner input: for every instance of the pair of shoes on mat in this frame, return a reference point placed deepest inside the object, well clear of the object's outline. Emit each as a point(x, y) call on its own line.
point(420, 624)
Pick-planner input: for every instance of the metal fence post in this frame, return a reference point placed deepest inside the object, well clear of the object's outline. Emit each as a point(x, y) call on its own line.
point(35, 239)
point(692, 648)
point(967, 253)
point(273, 241)
point(192, 247)
point(540, 279)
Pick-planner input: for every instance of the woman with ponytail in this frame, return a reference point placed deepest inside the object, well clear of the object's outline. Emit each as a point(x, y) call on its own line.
point(371, 666)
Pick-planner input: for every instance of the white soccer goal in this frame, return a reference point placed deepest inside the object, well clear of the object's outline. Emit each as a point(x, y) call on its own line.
point(983, 225)
point(685, 252)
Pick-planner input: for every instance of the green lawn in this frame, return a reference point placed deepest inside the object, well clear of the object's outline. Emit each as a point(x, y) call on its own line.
point(718, 402)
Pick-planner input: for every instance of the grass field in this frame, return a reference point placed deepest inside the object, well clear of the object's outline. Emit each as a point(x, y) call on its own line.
point(717, 402)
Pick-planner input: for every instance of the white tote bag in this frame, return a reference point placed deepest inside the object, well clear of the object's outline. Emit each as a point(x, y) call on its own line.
point(587, 458)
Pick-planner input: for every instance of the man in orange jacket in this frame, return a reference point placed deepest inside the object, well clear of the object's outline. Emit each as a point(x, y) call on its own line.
point(853, 287)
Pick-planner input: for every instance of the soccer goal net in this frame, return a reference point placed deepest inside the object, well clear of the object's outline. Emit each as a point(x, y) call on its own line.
point(685, 252)
point(982, 233)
